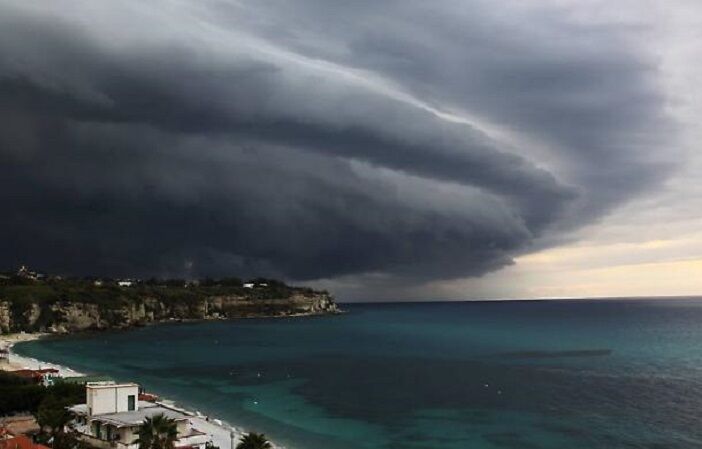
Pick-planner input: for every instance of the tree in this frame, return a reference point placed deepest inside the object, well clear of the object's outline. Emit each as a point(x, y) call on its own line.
point(53, 418)
point(157, 432)
point(18, 394)
point(254, 441)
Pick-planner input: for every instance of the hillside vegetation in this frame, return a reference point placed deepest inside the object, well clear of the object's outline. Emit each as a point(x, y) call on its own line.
point(64, 305)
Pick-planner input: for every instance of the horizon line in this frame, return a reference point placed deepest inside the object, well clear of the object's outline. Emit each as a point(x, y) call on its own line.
point(539, 299)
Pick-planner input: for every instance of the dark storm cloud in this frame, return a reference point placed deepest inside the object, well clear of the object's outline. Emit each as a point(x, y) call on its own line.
point(219, 138)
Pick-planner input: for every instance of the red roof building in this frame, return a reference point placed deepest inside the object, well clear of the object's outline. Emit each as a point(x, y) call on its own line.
point(148, 397)
point(19, 442)
point(39, 376)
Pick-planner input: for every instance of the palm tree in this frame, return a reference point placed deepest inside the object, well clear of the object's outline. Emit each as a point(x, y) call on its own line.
point(254, 441)
point(157, 432)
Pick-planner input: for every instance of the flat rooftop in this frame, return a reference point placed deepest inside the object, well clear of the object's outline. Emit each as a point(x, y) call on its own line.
point(112, 385)
point(133, 418)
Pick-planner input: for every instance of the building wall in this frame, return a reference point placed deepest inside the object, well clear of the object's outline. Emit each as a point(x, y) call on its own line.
point(127, 435)
point(102, 444)
point(183, 428)
point(111, 398)
point(123, 394)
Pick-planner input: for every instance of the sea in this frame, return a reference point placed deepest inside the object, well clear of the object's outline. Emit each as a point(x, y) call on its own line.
point(436, 375)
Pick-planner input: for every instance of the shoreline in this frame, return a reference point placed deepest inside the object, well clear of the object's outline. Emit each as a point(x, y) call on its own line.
point(220, 431)
point(18, 362)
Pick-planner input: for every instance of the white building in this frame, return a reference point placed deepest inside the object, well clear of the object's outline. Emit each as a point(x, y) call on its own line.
point(112, 415)
point(25, 272)
point(125, 283)
point(249, 285)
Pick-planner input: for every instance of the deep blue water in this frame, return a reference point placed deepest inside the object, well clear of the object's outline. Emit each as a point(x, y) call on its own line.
point(556, 374)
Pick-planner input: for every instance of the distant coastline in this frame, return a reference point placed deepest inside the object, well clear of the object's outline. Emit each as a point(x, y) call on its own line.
point(33, 302)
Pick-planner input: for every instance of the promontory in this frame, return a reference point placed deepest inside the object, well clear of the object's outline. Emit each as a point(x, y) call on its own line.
point(34, 302)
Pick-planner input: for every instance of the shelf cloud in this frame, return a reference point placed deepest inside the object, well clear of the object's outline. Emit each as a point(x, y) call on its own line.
point(314, 139)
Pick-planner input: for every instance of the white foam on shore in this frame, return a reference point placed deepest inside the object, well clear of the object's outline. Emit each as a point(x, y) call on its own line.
point(219, 431)
point(17, 361)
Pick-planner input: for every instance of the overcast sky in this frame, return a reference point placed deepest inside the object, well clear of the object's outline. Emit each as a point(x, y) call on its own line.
point(382, 149)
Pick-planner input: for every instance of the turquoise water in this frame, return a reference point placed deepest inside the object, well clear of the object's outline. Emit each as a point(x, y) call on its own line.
point(557, 374)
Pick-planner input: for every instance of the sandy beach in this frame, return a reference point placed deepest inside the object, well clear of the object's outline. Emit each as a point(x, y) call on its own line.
point(221, 434)
point(17, 362)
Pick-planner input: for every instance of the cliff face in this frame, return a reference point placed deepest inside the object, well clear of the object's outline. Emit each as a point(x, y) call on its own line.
point(74, 315)
point(5, 317)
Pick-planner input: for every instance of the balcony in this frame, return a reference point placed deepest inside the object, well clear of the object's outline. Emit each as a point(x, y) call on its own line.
point(194, 438)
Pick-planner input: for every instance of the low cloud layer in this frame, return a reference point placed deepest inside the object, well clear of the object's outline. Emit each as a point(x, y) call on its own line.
point(315, 139)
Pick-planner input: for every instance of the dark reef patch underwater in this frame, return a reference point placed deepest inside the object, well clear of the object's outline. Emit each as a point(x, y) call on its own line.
point(550, 374)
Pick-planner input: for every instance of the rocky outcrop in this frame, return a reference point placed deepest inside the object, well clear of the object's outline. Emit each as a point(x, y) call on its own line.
point(5, 317)
point(70, 316)
point(32, 314)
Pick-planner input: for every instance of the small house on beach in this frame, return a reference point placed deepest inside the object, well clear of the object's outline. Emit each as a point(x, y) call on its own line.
point(113, 413)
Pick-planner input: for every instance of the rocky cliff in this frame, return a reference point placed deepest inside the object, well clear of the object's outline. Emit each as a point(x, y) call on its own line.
point(65, 314)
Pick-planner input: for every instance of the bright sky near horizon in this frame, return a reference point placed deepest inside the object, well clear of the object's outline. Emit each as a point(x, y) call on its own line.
point(384, 150)
point(651, 246)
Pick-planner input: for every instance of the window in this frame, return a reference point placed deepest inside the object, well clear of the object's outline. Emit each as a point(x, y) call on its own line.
point(131, 402)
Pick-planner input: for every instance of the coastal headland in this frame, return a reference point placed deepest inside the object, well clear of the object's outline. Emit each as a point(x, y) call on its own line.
point(30, 302)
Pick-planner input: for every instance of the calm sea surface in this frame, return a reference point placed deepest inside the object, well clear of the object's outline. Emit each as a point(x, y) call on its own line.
point(558, 374)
